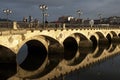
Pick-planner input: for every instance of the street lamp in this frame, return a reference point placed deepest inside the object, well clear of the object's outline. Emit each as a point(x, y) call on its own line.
point(79, 12)
point(7, 12)
point(100, 17)
point(46, 15)
point(43, 7)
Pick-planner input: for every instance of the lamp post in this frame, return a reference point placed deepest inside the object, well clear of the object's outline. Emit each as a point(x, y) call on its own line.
point(46, 15)
point(79, 12)
point(100, 17)
point(7, 12)
point(43, 7)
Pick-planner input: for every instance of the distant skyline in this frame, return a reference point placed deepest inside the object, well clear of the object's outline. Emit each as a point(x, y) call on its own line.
point(58, 8)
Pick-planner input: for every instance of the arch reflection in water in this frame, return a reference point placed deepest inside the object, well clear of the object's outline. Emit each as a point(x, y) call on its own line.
point(70, 48)
point(39, 57)
point(74, 47)
point(113, 41)
point(85, 48)
point(8, 66)
point(55, 55)
point(97, 48)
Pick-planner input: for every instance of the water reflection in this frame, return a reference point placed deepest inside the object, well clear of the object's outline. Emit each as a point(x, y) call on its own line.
point(7, 63)
point(106, 70)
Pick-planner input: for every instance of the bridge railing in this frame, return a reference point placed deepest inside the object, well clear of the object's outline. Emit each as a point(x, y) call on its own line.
point(34, 25)
point(63, 25)
point(5, 24)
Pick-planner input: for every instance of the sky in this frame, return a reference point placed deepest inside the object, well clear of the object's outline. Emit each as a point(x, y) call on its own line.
point(58, 8)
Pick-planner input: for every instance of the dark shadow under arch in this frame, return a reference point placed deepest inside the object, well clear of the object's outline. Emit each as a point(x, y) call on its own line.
point(55, 55)
point(35, 56)
point(8, 66)
point(99, 44)
point(73, 48)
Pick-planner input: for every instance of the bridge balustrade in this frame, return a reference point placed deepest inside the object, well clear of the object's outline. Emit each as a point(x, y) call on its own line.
point(4, 24)
point(34, 25)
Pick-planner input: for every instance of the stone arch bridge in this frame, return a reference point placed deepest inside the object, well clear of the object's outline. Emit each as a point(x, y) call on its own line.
point(55, 52)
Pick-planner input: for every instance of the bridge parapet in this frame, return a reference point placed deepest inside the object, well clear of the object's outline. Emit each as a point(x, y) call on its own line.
point(21, 24)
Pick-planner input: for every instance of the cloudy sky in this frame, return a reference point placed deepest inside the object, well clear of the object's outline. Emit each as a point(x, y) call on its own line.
point(57, 8)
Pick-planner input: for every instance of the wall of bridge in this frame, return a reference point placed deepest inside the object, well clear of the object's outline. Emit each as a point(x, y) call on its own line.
point(57, 51)
point(14, 39)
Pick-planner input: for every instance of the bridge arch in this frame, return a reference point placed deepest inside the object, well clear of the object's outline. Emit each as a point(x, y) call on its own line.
point(73, 54)
point(35, 59)
point(99, 44)
point(113, 41)
point(55, 54)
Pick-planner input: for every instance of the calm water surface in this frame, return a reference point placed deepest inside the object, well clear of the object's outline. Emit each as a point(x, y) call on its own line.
point(107, 70)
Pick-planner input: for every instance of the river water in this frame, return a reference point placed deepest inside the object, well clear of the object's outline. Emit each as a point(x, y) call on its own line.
point(106, 70)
